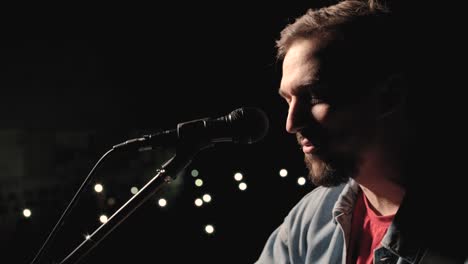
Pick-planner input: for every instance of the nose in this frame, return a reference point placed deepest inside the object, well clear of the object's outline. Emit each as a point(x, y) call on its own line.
point(297, 116)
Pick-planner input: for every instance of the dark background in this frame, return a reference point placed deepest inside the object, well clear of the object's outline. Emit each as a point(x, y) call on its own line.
point(77, 79)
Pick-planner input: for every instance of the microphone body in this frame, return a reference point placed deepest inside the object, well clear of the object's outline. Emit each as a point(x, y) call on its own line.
point(244, 125)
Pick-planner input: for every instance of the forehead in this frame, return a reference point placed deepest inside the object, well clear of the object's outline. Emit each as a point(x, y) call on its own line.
point(300, 65)
point(329, 64)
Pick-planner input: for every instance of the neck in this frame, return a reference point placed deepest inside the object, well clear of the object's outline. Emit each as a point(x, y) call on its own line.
point(378, 178)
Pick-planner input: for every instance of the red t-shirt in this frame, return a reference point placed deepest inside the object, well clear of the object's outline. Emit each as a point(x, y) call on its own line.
point(367, 231)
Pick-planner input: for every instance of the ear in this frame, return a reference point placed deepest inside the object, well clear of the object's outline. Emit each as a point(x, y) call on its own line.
point(392, 95)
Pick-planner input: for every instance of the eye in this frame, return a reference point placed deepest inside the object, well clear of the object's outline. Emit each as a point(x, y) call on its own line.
point(315, 99)
point(316, 94)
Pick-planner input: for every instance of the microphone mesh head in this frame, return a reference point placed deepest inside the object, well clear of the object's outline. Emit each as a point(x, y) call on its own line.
point(251, 124)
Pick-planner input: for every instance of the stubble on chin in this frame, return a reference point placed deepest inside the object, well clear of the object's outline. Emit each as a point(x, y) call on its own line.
point(319, 170)
point(327, 169)
point(328, 173)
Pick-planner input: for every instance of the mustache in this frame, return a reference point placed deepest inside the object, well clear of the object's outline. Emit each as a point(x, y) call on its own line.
point(317, 136)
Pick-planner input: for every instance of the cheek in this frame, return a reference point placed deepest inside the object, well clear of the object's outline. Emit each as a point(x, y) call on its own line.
point(351, 126)
point(344, 125)
point(320, 112)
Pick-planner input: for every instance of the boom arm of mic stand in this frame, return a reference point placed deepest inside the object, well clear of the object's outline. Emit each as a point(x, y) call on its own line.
point(166, 174)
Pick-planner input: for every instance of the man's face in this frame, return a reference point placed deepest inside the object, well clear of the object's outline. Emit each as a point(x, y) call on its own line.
point(332, 128)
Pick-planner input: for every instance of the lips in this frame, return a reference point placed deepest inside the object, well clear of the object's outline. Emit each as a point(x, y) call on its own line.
point(312, 140)
point(307, 146)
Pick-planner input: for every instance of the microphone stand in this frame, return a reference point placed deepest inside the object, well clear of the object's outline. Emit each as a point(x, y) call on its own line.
point(165, 175)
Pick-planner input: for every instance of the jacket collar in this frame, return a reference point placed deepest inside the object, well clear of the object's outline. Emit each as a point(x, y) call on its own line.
point(345, 202)
point(397, 239)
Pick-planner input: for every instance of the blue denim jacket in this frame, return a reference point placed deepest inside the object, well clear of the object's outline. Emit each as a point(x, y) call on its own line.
point(317, 230)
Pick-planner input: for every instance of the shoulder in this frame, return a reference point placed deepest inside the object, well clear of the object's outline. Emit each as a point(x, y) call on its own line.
point(313, 215)
point(307, 221)
point(321, 199)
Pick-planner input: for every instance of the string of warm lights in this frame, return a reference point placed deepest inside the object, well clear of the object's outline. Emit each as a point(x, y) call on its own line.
point(206, 198)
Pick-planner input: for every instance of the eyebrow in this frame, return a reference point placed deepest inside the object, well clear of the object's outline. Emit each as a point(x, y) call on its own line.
point(299, 89)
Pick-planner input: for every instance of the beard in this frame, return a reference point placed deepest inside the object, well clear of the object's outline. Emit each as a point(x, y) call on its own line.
point(331, 168)
point(330, 171)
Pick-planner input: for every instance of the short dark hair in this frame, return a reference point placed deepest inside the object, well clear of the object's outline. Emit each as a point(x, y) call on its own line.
point(370, 41)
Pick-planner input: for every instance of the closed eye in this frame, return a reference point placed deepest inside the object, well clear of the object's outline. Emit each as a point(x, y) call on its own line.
point(309, 94)
point(315, 100)
point(317, 94)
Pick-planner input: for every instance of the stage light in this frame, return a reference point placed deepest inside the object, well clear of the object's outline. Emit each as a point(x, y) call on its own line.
point(283, 173)
point(198, 202)
point(238, 176)
point(162, 202)
point(194, 173)
point(134, 190)
point(27, 213)
point(198, 182)
point(301, 180)
point(103, 218)
point(209, 229)
point(111, 201)
point(242, 186)
point(98, 187)
point(207, 198)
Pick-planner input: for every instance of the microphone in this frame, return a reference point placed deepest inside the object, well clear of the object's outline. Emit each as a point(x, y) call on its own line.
point(244, 125)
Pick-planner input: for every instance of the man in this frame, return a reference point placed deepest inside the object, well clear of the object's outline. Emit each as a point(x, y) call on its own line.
point(344, 82)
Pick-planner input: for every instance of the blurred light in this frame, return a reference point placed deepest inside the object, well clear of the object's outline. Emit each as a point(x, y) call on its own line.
point(27, 213)
point(98, 187)
point(111, 201)
point(194, 173)
point(283, 173)
point(207, 198)
point(198, 182)
point(209, 229)
point(134, 190)
point(198, 202)
point(103, 218)
point(301, 181)
point(162, 202)
point(87, 237)
point(242, 186)
point(238, 176)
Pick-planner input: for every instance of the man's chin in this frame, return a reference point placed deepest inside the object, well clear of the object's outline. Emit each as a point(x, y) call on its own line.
point(323, 173)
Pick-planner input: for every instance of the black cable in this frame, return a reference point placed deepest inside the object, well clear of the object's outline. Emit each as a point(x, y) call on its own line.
point(67, 211)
